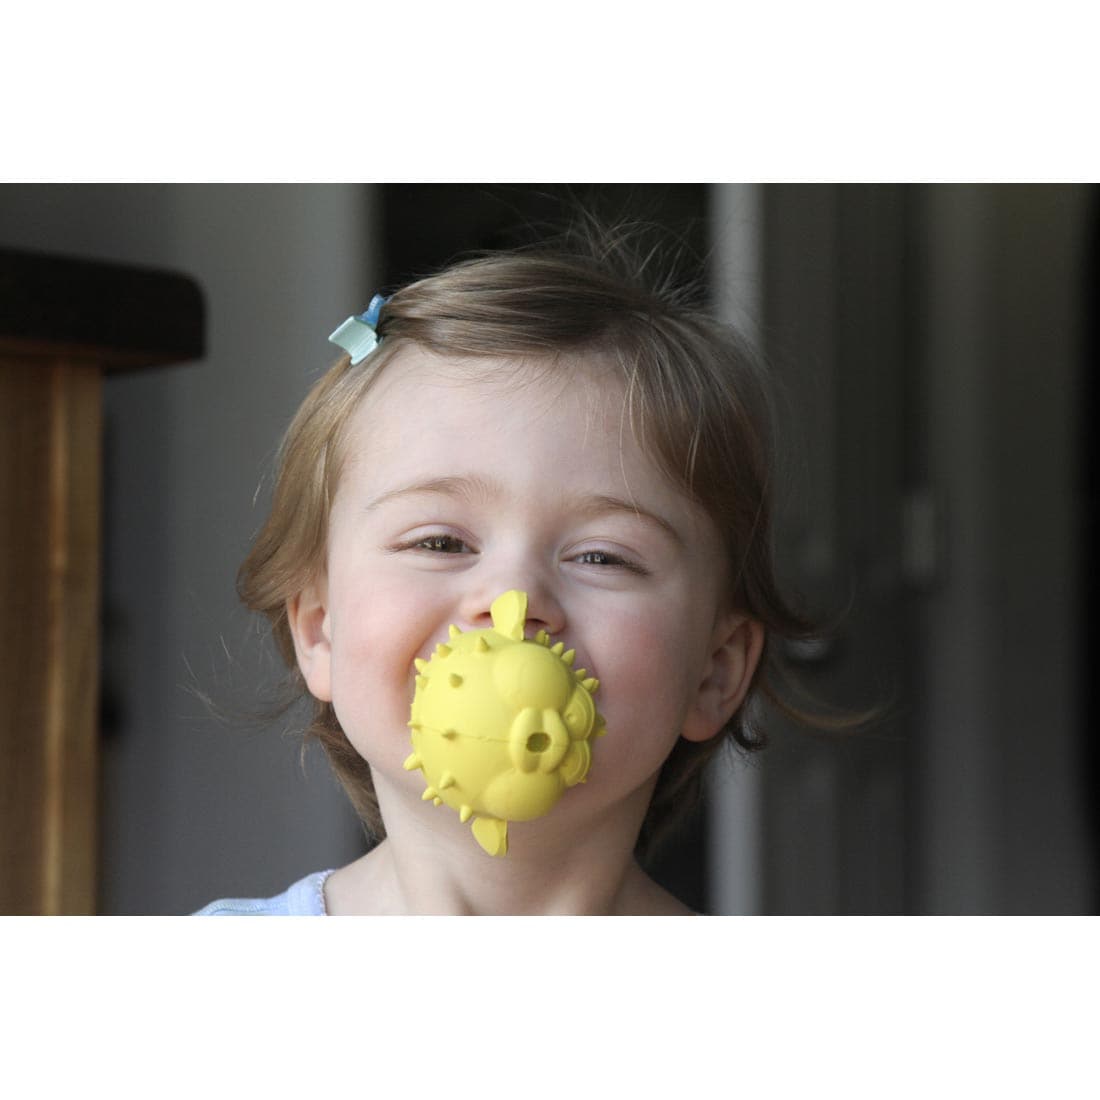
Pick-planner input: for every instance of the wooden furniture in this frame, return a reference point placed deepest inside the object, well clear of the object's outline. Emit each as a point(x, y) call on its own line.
point(63, 323)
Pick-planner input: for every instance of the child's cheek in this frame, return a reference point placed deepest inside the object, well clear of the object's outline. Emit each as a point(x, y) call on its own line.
point(643, 691)
point(372, 690)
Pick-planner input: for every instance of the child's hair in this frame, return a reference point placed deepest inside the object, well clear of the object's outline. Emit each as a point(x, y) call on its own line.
point(696, 400)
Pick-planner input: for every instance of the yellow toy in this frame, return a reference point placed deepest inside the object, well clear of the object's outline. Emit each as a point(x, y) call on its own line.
point(501, 724)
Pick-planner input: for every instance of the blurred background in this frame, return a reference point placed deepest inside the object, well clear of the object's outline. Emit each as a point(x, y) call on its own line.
point(934, 350)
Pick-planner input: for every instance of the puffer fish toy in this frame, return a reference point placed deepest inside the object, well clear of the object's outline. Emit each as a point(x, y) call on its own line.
point(501, 725)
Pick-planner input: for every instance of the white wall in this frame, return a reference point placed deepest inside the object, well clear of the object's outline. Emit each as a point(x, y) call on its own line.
point(193, 808)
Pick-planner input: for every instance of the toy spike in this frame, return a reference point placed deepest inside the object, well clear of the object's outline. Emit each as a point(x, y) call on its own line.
point(542, 637)
point(557, 648)
point(450, 734)
point(412, 762)
point(482, 646)
point(453, 631)
point(569, 656)
point(454, 680)
point(465, 813)
point(443, 649)
point(421, 681)
point(446, 780)
point(581, 673)
point(429, 794)
point(420, 663)
point(590, 685)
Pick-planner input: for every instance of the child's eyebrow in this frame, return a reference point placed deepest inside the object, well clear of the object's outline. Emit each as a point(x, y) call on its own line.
point(464, 488)
point(601, 504)
point(477, 488)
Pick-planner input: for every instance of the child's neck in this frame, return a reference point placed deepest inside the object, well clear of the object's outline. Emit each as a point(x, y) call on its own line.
point(417, 871)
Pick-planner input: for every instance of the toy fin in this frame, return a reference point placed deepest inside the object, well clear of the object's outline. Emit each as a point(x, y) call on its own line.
point(509, 612)
point(492, 834)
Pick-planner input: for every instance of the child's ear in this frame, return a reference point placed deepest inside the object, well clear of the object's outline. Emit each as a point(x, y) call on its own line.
point(736, 646)
point(307, 617)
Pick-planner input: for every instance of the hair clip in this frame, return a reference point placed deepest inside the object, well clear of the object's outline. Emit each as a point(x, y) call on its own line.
point(357, 335)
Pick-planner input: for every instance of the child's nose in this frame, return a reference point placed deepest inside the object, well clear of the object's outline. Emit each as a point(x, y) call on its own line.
point(544, 610)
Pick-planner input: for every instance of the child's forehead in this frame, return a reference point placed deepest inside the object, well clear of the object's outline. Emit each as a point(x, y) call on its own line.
point(415, 377)
point(427, 410)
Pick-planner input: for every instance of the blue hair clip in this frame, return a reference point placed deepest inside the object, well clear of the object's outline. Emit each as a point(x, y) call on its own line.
point(357, 334)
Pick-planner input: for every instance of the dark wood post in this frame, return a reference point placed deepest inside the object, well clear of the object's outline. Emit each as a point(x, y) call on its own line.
point(63, 324)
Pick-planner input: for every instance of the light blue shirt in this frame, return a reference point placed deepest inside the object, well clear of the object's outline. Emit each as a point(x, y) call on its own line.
point(306, 898)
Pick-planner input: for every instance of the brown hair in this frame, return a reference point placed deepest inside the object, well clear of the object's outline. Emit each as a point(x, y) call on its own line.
point(697, 401)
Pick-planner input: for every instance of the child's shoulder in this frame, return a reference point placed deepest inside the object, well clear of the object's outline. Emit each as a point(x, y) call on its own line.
point(306, 898)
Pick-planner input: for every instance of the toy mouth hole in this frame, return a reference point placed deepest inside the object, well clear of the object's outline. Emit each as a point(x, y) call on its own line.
point(538, 742)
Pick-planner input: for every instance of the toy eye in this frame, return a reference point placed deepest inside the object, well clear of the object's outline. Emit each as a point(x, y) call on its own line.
point(578, 713)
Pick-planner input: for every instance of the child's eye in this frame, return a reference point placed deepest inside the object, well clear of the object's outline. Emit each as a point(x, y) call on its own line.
point(441, 544)
point(606, 559)
point(598, 557)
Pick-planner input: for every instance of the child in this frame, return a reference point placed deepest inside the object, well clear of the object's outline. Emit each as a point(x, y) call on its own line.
point(539, 421)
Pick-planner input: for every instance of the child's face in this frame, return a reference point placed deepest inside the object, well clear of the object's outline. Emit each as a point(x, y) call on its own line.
point(464, 480)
